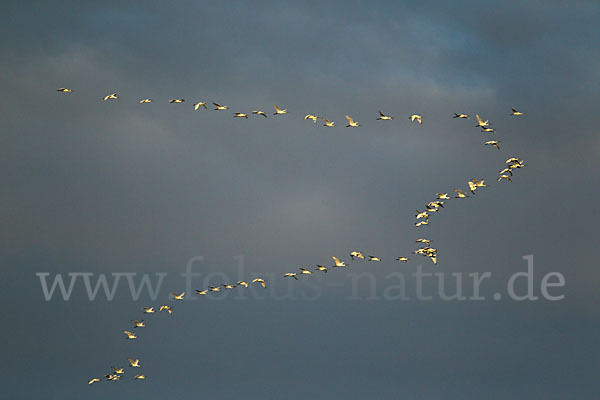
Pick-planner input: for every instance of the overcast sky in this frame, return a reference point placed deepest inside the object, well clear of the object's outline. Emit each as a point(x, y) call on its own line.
point(115, 186)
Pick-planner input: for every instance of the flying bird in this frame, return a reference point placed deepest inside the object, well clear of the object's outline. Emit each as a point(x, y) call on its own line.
point(424, 222)
point(168, 308)
point(149, 310)
point(243, 283)
point(138, 324)
point(226, 286)
point(506, 177)
point(240, 115)
point(423, 240)
point(258, 112)
point(112, 377)
point(382, 116)
point(321, 268)
point(93, 380)
point(356, 254)
point(177, 296)
point(338, 263)
point(402, 259)
point(313, 117)
point(456, 115)
point(459, 194)
point(373, 258)
point(141, 376)
point(305, 271)
point(351, 122)
point(488, 129)
point(290, 275)
point(493, 143)
point(421, 214)
point(279, 111)
point(143, 101)
point(134, 363)
point(480, 122)
point(516, 113)
point(176, 101)
point(130, 335)
point(214, 289)
point(64, 90)
point(220, 107)
point(201, 292)
point(199, 104)
point(327, 123)
point(416, 117)
point(442, 196)
point(261, 281)
point(118, 370)
point(111, 96)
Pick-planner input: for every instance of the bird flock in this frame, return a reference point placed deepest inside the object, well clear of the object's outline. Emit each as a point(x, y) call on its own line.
point(422, 217)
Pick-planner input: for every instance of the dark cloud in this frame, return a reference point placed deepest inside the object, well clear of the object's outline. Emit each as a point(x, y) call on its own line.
point(117, 187)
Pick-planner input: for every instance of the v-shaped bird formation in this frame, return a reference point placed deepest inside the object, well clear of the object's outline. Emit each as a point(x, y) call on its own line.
point(422, 217)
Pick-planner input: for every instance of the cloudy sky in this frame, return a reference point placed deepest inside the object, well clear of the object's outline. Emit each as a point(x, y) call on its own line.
point(118, 187)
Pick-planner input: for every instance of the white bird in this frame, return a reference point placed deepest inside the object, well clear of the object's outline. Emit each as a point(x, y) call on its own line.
point(258, 112)
point(227, 286)
point(176, 101)
point(130, 335)
point(504, 177)
point(351, 122)
point(201, 292)
point(178, 296)
point(402, 259)
point(382, 116)
point(240, 115)
point(279, 111)
point(214, 289)
point(168, 308)
point(421, 214)
point(327, 123)
point(112, 377)
point(459, 194)
point(338, 263)
point(313, 117)
point(243, 283)
point(138, 324)
point(416, 117)
point(134, 363)
point(424, 222)
point(373, 258)
point(493, 143)
point(220, 107)
point(290, 275)
point(488, 129)
point(460, 115)
point(261, 281)
point(480, 122)
point(111, 96)
point(141, 376)
point(516, 113)
point(199, 104)
point(442, 196)
point(143, 101)
point(93, 380)
point(321, 268)
point(423, 240)
point(64, 90)
point(148, 310)
point(305, 271)
point(118, 370)
point(356, 254)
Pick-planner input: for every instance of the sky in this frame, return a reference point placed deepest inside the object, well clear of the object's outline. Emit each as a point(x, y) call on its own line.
point(116, 187)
